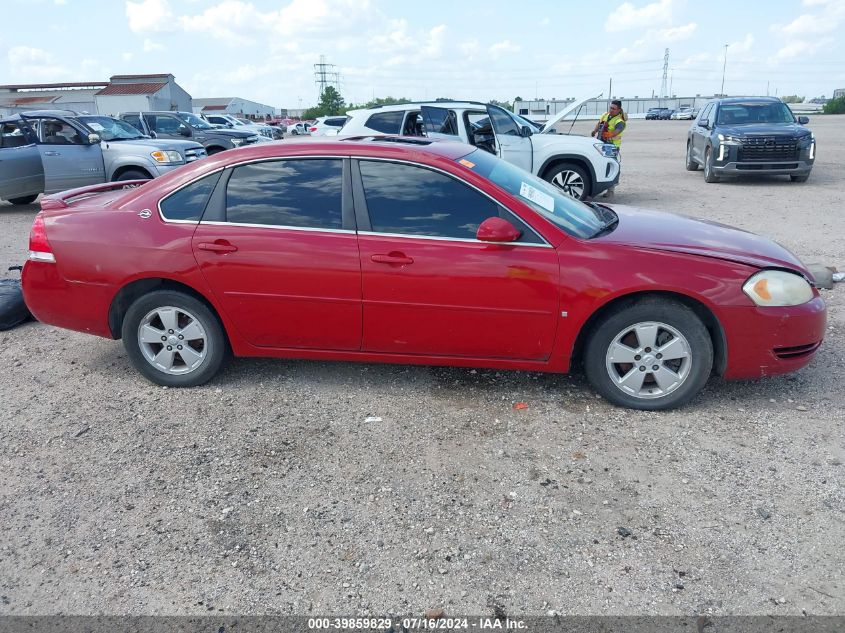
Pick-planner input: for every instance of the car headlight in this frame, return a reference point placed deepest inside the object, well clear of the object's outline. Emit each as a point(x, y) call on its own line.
point(777, 288)
point(727, 138)
point(166, 156)
point(252, 139)
point(608, 150)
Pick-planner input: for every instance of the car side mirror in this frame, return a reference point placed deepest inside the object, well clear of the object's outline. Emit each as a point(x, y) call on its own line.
point(93, 139)
point(153, 134)
point(184, 131)
point(705, 123)
point(525, 131)
point(803, 120)
point(497, 230)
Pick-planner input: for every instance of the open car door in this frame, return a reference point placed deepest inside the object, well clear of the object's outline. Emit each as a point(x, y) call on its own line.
point(513, 143)
point(68, 157)
point(440, 123)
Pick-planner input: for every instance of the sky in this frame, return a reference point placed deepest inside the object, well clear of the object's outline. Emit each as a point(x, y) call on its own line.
point(265, 50)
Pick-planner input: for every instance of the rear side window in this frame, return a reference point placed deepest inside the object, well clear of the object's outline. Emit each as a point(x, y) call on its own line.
point(12, 135)
point(296, 193)
point(386, 122)
point(188, 203)
point(440, 121)
point(337, 122)
point(135, 121)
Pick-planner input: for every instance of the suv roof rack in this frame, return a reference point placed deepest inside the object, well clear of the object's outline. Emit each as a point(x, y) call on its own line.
point(429, 101)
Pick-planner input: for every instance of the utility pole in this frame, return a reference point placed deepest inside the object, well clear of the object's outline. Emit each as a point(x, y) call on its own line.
point(665, 70)
point(325, 75)
point(724, 65)
point(671, 73)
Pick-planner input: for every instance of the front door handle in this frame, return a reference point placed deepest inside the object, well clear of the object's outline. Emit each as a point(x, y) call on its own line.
point(52, 154)
point(217, 246)
point(392, 258)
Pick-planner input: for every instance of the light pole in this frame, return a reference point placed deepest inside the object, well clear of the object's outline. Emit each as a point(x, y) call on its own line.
point(724, 65)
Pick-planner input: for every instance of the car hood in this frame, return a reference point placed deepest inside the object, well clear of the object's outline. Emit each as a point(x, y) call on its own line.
point(764, 129)
point(162, 144)
point(662, 231)
point(232, 133)
point(550, 124)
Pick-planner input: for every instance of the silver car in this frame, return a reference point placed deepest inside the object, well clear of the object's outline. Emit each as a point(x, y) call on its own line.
point(55, 150)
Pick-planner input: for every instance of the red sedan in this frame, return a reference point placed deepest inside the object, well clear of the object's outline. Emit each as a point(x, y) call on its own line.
point(414, 251)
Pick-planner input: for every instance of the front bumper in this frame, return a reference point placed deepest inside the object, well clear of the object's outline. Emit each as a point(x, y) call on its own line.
point(728, 159)
point(771, 341)
point(607, 178)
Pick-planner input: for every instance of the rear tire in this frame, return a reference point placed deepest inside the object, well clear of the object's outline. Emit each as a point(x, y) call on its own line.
point(151, 332)
point(211, 151)
point(709, 174)
point(570, 178)
point(800, 178)
point(668, 339)
point(691, 164)
point(23, 199)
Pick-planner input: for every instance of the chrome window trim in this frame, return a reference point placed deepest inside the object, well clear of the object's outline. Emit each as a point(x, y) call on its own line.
point(468, 184)
point(276, 226)
point(453, 239)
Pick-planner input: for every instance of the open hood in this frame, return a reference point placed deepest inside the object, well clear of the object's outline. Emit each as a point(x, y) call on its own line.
point(568, 109)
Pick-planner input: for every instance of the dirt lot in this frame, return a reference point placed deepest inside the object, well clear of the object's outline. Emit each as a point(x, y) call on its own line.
point(267, 491)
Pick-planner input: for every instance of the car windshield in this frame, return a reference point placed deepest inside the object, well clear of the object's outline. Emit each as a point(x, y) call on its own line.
point(574, 217)
point(110, 129)
point(754, 112)
point(195, 121)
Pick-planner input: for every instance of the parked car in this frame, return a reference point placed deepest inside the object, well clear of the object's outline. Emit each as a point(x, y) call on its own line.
point(52, 150)
point(265, 132)
point(682, 114)
point(326, 126)
point(298, 129)
point(579, 165)
point(181, 125)
point(410, 250)
point(654, 113)
point(665, 114)
point(750, 135)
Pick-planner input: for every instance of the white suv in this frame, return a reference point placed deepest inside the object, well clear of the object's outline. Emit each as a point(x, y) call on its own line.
point(578, 165)
point(327, 125)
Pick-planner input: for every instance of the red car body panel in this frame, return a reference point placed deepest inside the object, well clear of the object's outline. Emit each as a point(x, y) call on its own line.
point(355, 296)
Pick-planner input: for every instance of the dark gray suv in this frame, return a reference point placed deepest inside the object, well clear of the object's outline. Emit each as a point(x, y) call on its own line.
point(750, 135)
point(185, 125)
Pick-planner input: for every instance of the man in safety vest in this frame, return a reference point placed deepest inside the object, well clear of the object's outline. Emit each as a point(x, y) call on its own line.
point(609, 129)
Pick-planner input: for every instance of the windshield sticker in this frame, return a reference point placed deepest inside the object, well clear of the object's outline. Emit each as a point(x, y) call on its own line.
point(466, 163)
point(95, 126)
point(537, 197)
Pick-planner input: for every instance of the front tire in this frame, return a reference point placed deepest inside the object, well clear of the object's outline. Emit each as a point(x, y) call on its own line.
point(652, 355)
point(133, 174)
point(691, 164)
point(174, 339)
point(570, 178)
point(709, 172)
point(23, 199)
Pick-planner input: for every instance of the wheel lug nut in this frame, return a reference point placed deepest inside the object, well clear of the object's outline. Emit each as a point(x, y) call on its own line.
point(642, 367)
point(659, 356)
point(647, 349)
point(178, 347)
point(169, 348)
point(163, 338)
point(182, 337)
point(637, 357)
point(655, 368)
point(170, 331)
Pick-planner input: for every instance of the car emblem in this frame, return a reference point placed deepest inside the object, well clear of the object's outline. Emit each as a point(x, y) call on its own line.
point(144, 214)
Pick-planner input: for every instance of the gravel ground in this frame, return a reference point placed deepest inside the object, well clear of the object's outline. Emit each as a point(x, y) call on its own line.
point(270, 491)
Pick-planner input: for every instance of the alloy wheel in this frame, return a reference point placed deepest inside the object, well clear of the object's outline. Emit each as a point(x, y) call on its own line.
point(172, 340)
point(570, 182)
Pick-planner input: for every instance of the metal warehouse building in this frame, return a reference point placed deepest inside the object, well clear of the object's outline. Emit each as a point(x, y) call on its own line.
point(121, 93)
point(234, 106)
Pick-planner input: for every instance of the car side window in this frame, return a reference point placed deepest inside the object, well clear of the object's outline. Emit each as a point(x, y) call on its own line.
point(135, 121)
point(386, 122)
point(12, 135)
point(165, 124)
point(705, 114)
point(188, 203)
point(412, 200)
point(502, 123)
point(439, 121)
point(304, 193)
point(58, 132)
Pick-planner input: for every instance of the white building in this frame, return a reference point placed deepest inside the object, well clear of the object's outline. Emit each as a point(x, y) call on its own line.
point(235, 106)
point(121, 93)
point(542, 110)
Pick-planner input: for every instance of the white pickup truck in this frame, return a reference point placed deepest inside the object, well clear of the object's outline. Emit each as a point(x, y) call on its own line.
point(579, 165)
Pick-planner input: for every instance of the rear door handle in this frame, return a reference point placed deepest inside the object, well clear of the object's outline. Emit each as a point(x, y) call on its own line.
point(218, 246)
point(52, 154)
point(392, 258)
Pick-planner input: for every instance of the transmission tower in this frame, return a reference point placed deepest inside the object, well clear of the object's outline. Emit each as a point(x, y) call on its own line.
point(325, 75)
point(665, 70)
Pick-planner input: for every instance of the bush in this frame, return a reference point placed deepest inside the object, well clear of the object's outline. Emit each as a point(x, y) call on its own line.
point(835, 106)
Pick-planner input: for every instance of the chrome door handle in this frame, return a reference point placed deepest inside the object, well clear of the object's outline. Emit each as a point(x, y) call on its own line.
point(52, 154)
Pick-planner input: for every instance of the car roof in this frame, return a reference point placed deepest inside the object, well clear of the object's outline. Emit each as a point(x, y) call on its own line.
point(411, 105)
point(748, 100)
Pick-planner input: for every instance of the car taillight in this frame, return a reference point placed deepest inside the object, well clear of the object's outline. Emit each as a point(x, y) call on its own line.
point(312, 129)
point(39, 246)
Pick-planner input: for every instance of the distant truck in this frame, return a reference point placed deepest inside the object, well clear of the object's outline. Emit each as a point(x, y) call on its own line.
point(46, 151)
point(187, 125)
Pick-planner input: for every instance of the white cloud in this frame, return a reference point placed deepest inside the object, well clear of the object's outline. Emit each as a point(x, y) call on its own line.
point(26, 55)
point(626, 16)
point(60, 2)
point(807, 25)
point(434, 42)
point(469, 48)
point(743, 46)
point(677, 33)
point(127, 57)
point(802, 48)
point(151, 46)
point(149, 16)
point(503, 48)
